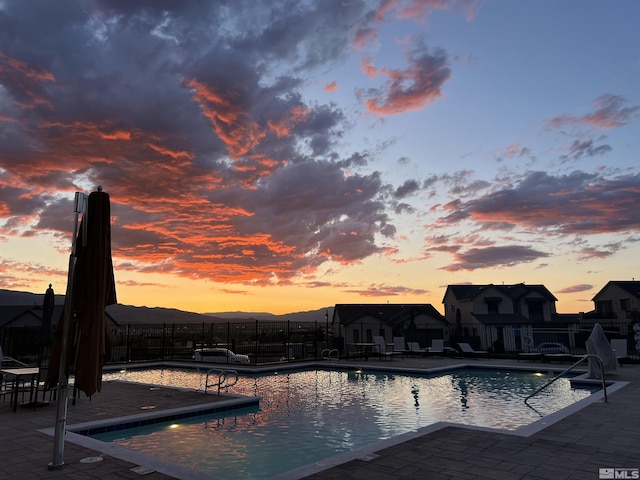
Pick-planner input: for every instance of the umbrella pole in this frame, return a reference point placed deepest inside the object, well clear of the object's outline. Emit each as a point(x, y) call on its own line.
point(63, 378)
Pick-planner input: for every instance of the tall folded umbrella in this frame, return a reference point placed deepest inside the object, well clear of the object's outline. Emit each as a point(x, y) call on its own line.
point(46, 333)
point(92, 290)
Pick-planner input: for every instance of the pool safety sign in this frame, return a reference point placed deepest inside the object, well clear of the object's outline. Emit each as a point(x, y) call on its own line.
point(629, 473)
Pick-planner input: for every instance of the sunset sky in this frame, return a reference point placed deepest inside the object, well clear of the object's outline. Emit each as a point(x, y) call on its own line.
point(288, 155)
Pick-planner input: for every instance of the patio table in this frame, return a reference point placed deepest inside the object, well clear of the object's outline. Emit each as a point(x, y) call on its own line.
point(19, 375)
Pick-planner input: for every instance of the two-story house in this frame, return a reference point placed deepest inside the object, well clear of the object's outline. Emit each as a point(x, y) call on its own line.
point(359, 323)
point(502, 317)
point(618, 301)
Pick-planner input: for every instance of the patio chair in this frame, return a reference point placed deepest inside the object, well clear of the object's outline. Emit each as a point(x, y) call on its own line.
point(414, 348)
point(438, 348)
point(399, 346)
point(10, 361)
point(468, 351)
point(380, 348)
point(619, 347)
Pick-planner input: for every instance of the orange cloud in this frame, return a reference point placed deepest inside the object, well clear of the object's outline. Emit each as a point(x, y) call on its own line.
point(24, 69)
point(282, 128)
point(413, 88)
point(18, 72)
point(367, 67)
point(331, 87)
point(233, 126)
point(118, 135)
point(172, 153)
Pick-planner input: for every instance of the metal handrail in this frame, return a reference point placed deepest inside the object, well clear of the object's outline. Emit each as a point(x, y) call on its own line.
point(586, 357)
point(226, 379)
point(332, 354)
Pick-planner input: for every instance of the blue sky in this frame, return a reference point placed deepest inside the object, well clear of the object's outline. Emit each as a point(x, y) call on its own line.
point(283, 155)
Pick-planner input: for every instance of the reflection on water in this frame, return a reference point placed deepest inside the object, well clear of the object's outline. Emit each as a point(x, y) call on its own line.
point(462, 386)
point(319, 413)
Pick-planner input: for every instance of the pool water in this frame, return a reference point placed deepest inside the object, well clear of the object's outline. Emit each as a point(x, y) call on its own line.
point(306, 416)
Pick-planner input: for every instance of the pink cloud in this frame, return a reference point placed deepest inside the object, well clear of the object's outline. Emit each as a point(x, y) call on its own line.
point(608, 112)
point(368, 68)
point(413, 88)
point(331, 87)
point(418, 10)
point(583, 287)
point(364, 37)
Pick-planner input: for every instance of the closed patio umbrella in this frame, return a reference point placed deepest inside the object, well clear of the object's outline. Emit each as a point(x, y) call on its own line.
point(46, 333)
point(93, 289)
point(83, 337)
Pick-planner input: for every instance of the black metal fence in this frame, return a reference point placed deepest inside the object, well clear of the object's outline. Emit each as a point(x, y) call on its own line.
point(263, 342)
point(267, 342)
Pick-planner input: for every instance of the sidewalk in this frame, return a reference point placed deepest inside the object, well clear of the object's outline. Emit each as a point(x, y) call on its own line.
point(600, 435)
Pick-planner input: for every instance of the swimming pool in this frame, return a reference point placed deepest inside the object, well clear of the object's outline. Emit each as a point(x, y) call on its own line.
point(305, 416)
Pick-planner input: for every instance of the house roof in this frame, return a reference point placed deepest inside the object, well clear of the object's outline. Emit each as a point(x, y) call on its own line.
point(12, 313)
point(515, 291)
point(20, 315)
point(631, 287)
point(389, 313)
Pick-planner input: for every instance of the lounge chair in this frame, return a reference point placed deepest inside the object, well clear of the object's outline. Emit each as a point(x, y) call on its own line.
point(438, 348)
point(399, 346)
point(619, 347)
point(468, 351)
point(414, 348)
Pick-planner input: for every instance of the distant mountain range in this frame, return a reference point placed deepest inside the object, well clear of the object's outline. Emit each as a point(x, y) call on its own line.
point(124, 314)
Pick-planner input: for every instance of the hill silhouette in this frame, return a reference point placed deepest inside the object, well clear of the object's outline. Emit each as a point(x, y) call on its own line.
point(124, 314)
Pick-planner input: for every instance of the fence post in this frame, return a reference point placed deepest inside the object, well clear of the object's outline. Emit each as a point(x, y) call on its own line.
point(256, 343)
point(126, 343)
point(173, 340)
point(164, 328)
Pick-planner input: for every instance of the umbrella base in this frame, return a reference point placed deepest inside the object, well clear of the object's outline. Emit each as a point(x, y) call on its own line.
point(52, 466)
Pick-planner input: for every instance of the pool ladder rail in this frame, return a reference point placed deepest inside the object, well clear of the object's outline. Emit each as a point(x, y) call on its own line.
point(332, 354)
point(220, 378)
point(586, 357)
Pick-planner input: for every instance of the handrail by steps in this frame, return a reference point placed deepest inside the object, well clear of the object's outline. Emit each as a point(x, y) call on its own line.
point(586, 357)
point(226, 378)
point(330, 354)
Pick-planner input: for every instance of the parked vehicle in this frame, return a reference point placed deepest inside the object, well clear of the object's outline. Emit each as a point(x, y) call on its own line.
point(550, 347)
point(219, 355)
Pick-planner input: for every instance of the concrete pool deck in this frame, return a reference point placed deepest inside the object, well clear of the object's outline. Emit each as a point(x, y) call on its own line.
point(601, 435)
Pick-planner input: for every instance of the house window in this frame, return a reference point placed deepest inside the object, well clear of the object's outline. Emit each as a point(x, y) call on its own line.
point(604, 308)
point(624, 304)
point(356, 335)
point(536, 311)
point(493, 305)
